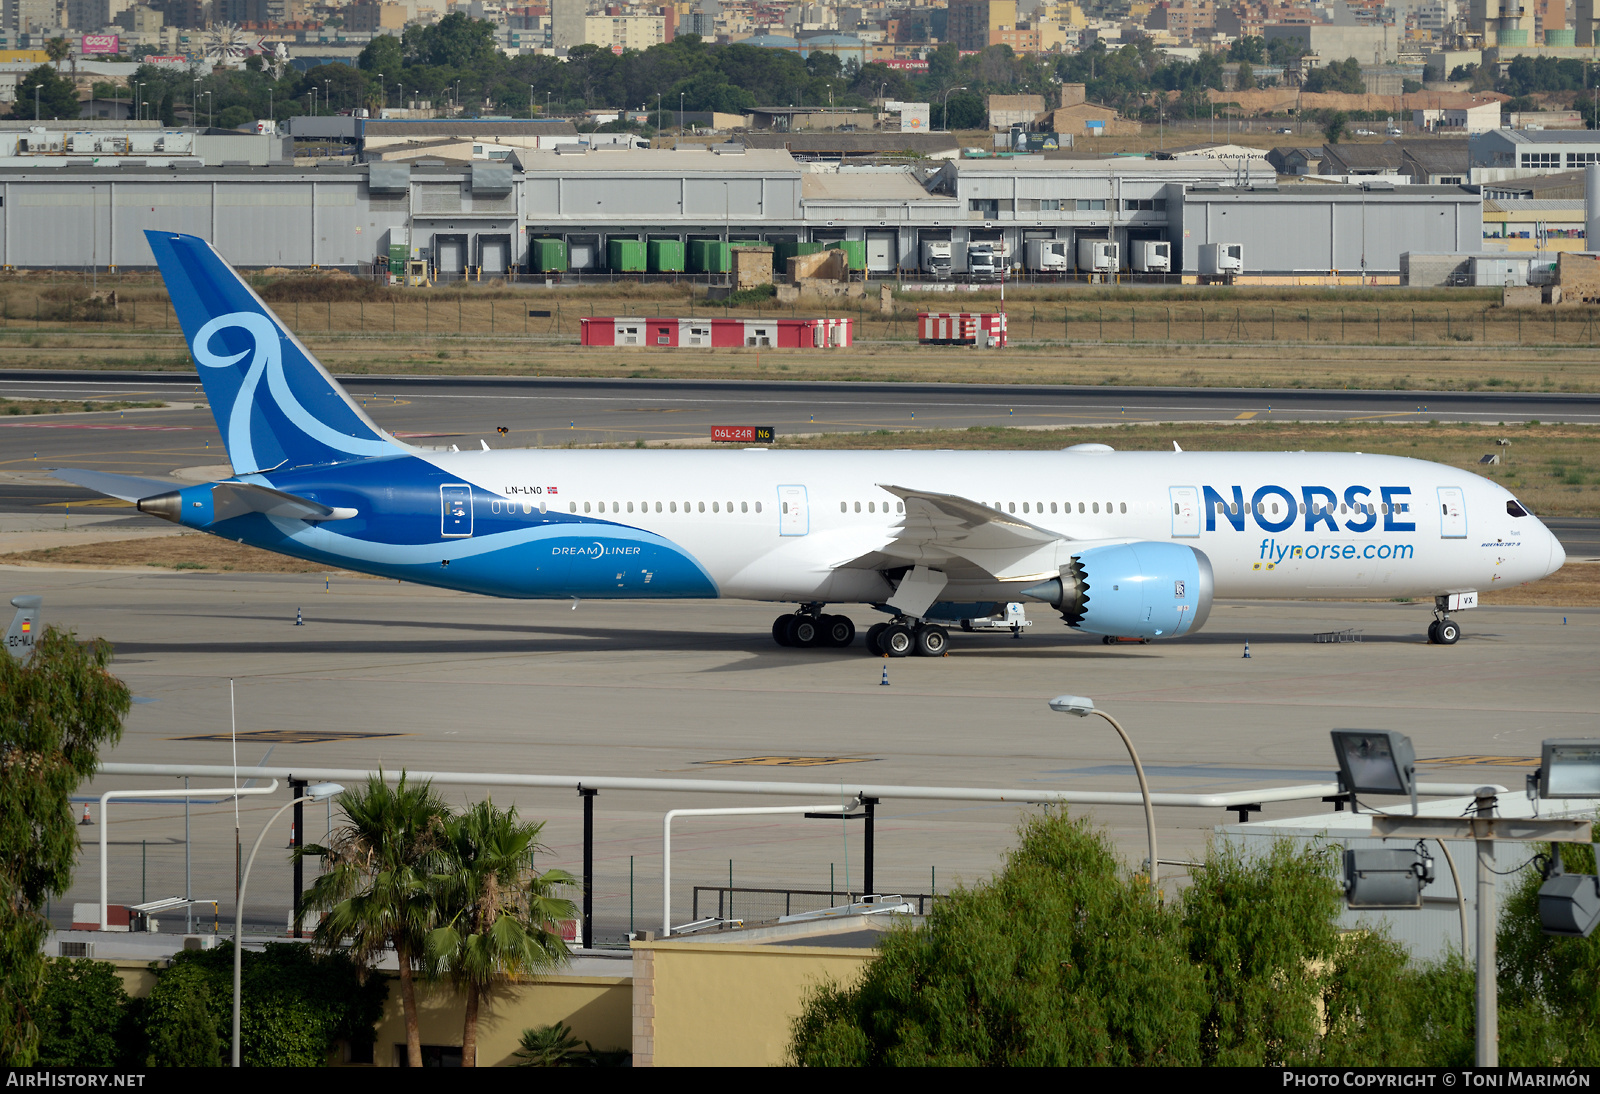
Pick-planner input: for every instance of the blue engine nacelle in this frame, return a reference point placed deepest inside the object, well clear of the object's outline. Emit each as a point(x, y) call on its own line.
point(1132, 590)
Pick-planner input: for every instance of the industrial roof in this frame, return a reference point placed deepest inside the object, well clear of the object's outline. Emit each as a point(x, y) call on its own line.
point(858, 143)
point(1034, 165)
point(1533, 205)
point(690, 158)
point(1548, 136)
point(886, 186)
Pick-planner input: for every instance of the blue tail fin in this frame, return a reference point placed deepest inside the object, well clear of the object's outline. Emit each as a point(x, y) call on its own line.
point(275, 404)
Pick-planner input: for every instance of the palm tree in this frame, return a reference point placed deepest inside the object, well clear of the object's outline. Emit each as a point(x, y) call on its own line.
point(376, 877)
point(495, 911)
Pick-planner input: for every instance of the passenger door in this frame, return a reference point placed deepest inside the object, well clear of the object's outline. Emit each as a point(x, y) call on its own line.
point(1185, 511)
point(794, 517)
point(1452, 512)
point(455, 511)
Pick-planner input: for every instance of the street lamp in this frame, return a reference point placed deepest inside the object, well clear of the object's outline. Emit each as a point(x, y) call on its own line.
point(680, 113)
point(1083, 706)
point(946, 111)
point(316, 792)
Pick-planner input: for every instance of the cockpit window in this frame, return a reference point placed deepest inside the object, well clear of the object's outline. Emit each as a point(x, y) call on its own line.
point(1515, 508)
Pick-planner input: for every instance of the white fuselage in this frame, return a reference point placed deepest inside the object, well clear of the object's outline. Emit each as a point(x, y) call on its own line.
point(778, 525)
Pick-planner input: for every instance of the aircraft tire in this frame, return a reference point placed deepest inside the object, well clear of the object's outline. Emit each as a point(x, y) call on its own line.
point(1433, 633)
point(780, 629)
point(805, 631)
point(931, 641)
point(875, 632)
point(1449, 632)
point(838, 631)
point(897, 640)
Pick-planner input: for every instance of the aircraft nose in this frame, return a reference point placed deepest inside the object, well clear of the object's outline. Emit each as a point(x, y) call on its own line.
point(1558, 553)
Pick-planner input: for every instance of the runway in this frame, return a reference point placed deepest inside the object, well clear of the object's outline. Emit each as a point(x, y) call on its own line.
point(423, 679)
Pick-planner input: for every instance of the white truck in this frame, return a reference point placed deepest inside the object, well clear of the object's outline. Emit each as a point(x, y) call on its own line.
point(1098, 257)
point(1151, 256)
point(1048, 256)
point(936, 258)
point(1221, 259)
point(983, 263)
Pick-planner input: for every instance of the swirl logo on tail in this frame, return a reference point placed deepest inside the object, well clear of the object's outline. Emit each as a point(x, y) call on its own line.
point(266, 359)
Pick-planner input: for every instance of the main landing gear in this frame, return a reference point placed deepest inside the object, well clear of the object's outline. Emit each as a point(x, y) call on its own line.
point(809, 627)
point(902, 638)
point(1443, 631)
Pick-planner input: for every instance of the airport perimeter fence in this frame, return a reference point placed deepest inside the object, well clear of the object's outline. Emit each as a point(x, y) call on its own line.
point(478, 314)
point(766, 905)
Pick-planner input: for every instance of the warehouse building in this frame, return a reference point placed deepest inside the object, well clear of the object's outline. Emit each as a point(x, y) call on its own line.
point(559, 212)
point(1297, 230)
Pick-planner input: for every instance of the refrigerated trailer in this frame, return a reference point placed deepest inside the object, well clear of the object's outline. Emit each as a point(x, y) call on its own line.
point(1225, 260)
point(1098, 257)
point(1048, 256)
point(1151, 256)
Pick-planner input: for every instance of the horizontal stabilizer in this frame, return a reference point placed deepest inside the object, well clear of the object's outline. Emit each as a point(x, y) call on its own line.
point(234, 499)
point(126, 487)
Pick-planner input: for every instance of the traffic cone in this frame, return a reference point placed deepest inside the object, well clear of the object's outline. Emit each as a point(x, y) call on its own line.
point(86, 818)
point(881, 683)
point(297, 620)
point(1246, 649)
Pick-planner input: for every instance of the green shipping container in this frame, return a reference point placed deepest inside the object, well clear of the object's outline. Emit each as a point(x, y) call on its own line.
point(398, 253)
point(708, 256)
point(548, 255)
point(783, 252)
point(666, 256)
point(625, 256)
point(855, 252)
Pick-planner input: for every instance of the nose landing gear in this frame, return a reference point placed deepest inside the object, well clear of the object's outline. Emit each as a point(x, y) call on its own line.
point(1444, 631)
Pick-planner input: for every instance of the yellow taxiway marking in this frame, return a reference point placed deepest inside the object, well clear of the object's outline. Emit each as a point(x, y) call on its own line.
point(788, 761)
point(92, 503)
point(1246, 416)
point(1484, 761)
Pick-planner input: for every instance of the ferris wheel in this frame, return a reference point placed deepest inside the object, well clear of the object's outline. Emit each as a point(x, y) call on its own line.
point(226, 45)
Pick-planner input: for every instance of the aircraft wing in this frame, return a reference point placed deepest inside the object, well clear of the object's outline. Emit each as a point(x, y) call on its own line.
point(126, 487)
point(964, 538)
point(234, 499)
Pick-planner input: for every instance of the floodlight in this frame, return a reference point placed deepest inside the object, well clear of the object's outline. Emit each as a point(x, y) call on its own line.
point(1081, 705)
point(1383, 878)
point(1376, 761)
point(1569, 904)
point(1569, 768)
point(321, 792)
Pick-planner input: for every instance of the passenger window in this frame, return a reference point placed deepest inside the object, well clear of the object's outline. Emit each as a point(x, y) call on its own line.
point(702, 507)
point(616, 507)
point(572, 507)
point(1024, 507)
point(630, 507)
point(1080, 507)
point(1052, 507)
point(844, 507)
point(658, 507)
point(1343, 508)
point(758, 507)
point(1302, 507)
point(713, 508)
point(744, 507)
point(1013, 507)
point(872, 507)
point(1514, 509)
point(1175, 508)
point(1038, 507)
point(858, 507)
point(1384, 506)
point(899, 507)
point(585, 507)
point(674, 506)
point(1124, 507)
point(730, 507)
point(1096, 507)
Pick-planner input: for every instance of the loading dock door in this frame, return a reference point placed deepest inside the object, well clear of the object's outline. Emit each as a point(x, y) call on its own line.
point(1452, 513)
point(450, 256)
point(882, 254)
point(794, 518)
point(496, 256)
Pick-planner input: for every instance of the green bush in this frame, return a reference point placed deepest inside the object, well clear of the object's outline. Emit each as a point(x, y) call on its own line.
point(181, 1019)
point(1062, 958)
point(297, 1005)
point(1058, 961)
point(81, 1014)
